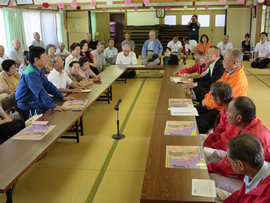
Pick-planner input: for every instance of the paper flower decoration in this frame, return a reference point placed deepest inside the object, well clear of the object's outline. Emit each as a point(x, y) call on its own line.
point(127, 2)
point(222, 1)
point(146, 2)
point(250, 5)
point(152, 8)
point(135, 8)
point(185, 7)
point(10, 4)
point(206, 7)
point(45, 5)
point(168, 8)
point(74, 4)
point(260, 1)
point(120, 9)
point(109, 2)
point(104, 9)
point(226, 7)
point(61, 5)
point(240, 1)
point(93, 3)
point(265, 2)
point(78, 8)
point(257, 3)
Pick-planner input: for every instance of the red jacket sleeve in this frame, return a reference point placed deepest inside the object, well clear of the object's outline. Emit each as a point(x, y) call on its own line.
point(192, 69)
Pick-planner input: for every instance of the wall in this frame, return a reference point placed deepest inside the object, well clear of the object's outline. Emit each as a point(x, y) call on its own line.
point(142, 18)
point(238, 24)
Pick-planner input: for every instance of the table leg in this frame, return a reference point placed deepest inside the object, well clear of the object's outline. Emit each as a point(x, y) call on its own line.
point(77, 131)
point(111, 92)
point(81, 125)
point(10, 192)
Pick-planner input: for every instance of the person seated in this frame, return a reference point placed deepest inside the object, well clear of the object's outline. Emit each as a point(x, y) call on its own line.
point(37, 42)
point(170, 58)
point(190, 44)
point(242, 113)
point(129, 42)
point(88, 39)
point(127, 57)
point(236, 77)
point(25, 63)
point(176, 46)
point(110, 53)
point(3, 56)
point(152, 50)
point(60, 78)
point(199, 66)
point(92, 60)
point(204, 45)
point(85, 71)
point(62, 51)
point(9, 127)
point(201, 86)
point(222, 94)
point(224, 46)
point(9, 77)
point(33, 88)
point(76, 77)
point(50, 53)
point(101, 62)
point(15, 53)
point(73, 56)
point(246, 156)
point(262, 52)
point(247, 48)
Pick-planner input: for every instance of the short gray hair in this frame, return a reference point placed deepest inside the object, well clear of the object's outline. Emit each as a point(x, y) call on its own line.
point(15, 40)
point(126, 45)
point(217, 50)
point(236, 55)
point(101, 43)
point(246, 148)
point(226, 36)
point(222, 90)
point(53, 59)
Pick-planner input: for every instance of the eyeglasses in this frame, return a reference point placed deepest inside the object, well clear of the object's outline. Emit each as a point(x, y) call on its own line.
point(197, 61)
point(209, 53)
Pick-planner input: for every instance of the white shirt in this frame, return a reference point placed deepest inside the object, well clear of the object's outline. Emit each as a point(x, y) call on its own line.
point(68, 60)
point(110, 52)
point(4, 57)
point(262, 49)
point(64, 52)
point(224, 47)
point(126, 60)
point(60, 80)
point(191, 45)
point(175, 46)
point(211, 67)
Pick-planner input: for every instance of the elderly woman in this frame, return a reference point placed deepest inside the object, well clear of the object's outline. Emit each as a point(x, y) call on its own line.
point(85, 71)
point(74, 56)
point(170, 59)
point(9, 77)
point(25, 63)
point(50, 52)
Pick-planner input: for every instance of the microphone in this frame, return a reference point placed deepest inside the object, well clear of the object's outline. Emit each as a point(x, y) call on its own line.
point(118, 103)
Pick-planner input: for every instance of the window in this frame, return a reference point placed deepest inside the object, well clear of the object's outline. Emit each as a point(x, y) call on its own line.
point(204, 20)
point(220, 20)
point(170, 20)
point(185, 19)
point(2, 33)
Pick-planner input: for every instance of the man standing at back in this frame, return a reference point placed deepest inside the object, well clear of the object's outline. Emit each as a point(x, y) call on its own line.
point(37, 42)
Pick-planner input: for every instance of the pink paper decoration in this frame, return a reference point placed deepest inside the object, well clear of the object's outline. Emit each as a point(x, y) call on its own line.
point(127, 2)
point(206, 7)
point(146, 2)
point(120, 9)
point(74, 4)
point(61, 5)
point(250, 5)
point(240, 1)
point(10, 4)
point(257, 3)
point(222, 1)
point(136, 8)
point(168, 8)
point(104, 9)
point(93, 3)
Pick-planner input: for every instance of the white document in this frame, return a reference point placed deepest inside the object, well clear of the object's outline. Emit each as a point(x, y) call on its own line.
point(136, 66)
point(183, 111)
point(203, 188)
point(178, 80)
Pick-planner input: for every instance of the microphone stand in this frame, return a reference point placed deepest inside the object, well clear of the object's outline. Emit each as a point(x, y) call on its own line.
point(118, 135)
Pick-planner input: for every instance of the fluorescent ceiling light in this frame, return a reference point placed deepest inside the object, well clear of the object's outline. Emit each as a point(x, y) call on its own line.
point(119, 5)
point(217, 3)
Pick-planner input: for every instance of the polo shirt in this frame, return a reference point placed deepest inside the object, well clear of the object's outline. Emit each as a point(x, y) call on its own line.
point(16, 55)
point(100, 59)
point(130, 43)
point(224, 48)
point(175, 46)
point(110, 52)
point(263, 49)
point(192, 43)
point(38, 44)
point(126, 60)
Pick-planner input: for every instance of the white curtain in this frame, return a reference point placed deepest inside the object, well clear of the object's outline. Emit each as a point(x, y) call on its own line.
point(31, 21)
point(49, 27)
point(3, 33)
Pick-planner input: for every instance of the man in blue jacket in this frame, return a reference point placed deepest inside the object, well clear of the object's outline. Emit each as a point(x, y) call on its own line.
point(33, 88)
point(152, 50)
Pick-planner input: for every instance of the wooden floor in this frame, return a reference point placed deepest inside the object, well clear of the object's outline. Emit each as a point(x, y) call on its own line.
point(102, 170)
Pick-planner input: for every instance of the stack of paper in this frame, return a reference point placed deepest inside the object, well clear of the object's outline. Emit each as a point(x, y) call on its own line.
point(75, 104)
point(183, 111)
point(203, 188)
point(33, 132)
point(178, 80)
point(180, 103)
point(185, 128)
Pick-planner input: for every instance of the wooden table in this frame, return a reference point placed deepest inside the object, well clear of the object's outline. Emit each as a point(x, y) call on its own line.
point(163, 184)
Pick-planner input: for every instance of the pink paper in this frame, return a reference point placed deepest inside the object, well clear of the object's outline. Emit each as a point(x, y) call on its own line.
point(39, 122)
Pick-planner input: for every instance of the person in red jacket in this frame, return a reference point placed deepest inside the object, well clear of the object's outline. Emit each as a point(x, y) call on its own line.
point(242, 113)
point(246, 157)
point(199, 67)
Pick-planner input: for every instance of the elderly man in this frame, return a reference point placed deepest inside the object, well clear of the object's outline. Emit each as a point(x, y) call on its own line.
point(152, 50)
point(3, 56)
point(127, 57)
point(201, 86)
point(242, 113)
point(37, 42)
point(262, 52)
point(189, 45)
point(110, 53)
point(61, 51)
point(60, 78)
point(15, 52)
point(88, 39)
point(33, 88)
point(246, 157)
point(101, 62)
point(224, 46)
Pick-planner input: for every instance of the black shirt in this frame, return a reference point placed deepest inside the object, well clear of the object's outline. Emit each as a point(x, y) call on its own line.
point(171, 60)
point(90, 44)
point(245, 47)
